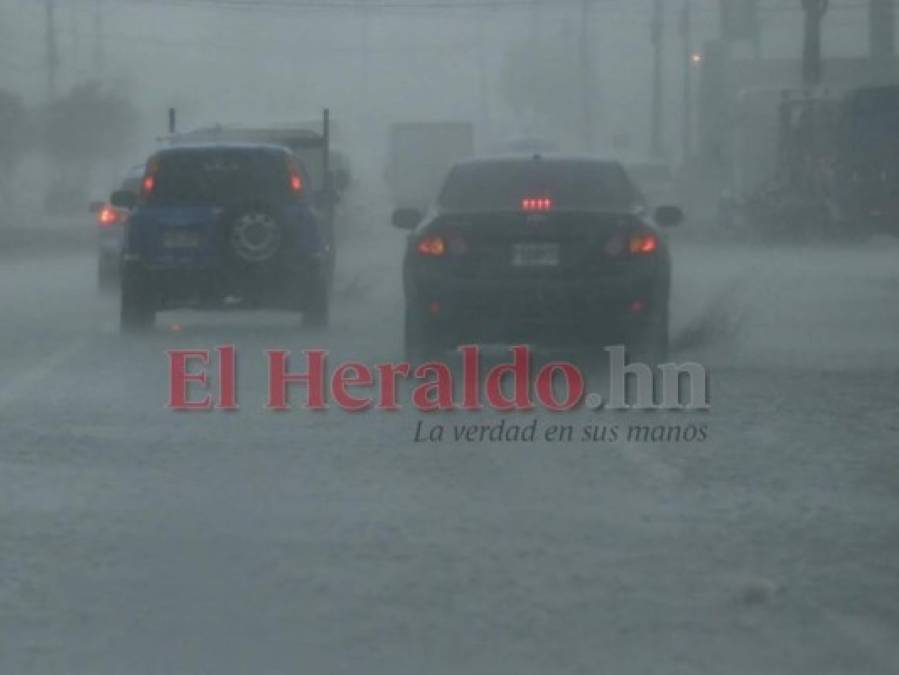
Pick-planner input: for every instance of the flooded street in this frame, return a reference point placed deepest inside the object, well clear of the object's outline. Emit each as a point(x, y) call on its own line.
point(136, 539)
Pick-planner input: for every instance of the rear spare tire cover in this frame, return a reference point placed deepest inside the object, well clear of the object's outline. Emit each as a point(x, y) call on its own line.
point(255, 236)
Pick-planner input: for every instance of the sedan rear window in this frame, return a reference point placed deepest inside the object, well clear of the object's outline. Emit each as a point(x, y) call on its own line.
point(502, 185)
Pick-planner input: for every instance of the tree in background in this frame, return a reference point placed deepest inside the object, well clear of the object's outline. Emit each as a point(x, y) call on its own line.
point(82, 129)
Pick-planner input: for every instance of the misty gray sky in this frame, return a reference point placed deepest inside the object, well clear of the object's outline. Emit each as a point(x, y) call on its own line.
point(263, 60)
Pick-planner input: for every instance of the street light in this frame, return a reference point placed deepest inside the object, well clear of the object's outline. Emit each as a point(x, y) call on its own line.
point(696, 58)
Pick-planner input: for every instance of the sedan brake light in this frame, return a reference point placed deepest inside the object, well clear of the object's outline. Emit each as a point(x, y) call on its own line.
point(536, 204)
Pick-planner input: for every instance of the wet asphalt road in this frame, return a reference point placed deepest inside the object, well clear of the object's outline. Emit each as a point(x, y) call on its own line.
point(137, 540)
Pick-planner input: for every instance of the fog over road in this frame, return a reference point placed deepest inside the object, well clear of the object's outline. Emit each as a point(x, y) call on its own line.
point(138, 540)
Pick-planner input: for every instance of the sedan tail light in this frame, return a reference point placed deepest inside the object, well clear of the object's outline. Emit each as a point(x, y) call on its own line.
point(643, 244)
point(107, 217)
point(434, 246)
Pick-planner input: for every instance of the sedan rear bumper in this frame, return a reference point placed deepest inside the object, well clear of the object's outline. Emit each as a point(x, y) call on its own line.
point(556, 313)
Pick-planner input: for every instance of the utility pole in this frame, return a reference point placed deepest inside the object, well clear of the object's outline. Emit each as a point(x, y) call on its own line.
point(365, 52)
point(99, 51)
point(656, 131)
point(812, 66)
point(882, 21)
point(687, 35)
point(587, 78)
point(52, 51)
point(483, 76)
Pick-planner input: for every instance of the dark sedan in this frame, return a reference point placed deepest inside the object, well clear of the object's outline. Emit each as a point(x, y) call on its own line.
point(553, 251)
point(111, 222)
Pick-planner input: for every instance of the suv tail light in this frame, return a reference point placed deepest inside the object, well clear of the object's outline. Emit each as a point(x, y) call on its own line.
point(434, 246)
point(296, 180)
point(149, 182)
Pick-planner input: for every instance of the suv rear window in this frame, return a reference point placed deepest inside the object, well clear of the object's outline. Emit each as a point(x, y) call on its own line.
point(218, 176)
point(501, 185)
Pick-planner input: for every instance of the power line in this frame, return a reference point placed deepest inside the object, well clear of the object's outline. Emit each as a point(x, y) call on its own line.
point(290, 5)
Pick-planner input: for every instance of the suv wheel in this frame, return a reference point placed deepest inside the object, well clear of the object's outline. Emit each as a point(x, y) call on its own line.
point(255, 235)
point(137, 311)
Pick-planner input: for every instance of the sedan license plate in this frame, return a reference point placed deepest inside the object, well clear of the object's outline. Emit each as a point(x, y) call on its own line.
point(179, 239)
point(535, 255)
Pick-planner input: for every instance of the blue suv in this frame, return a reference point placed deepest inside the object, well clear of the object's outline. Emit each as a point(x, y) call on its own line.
point(223, 226)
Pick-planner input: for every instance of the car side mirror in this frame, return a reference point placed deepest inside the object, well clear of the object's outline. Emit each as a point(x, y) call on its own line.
point(669, 216)
point(406, 219)
point(96, 207)
point(123, 199)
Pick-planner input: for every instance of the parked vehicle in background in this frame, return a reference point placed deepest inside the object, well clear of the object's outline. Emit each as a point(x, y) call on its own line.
point(420, 154)
point(555, 250)
point(784, 152)
point(866, 176)
point(812, 164)
point(111, 222)
point(224, 226)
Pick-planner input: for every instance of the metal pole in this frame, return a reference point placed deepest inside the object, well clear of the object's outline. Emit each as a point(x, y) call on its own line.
point(882, 20)
point(656, 130)
point(326, 150)
point(587, 81)
point(483, 76)
point(365, 51)
point(686, 33)
point(812, 66)
point(99, 50)
point(52, 51)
